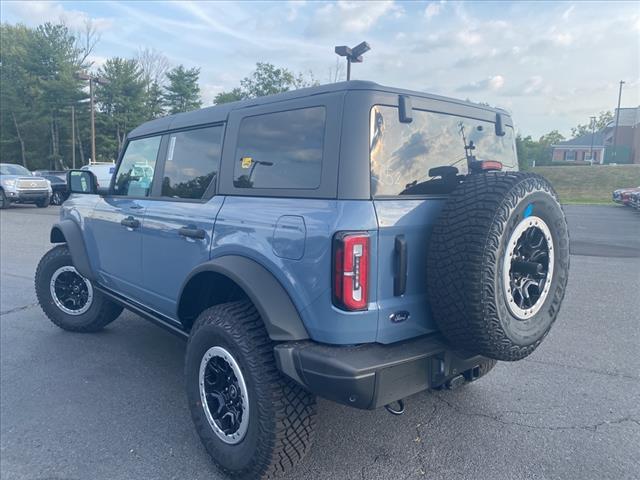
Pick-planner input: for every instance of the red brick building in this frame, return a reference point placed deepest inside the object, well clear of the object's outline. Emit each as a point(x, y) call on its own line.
point(600, 144)
point(580, 149)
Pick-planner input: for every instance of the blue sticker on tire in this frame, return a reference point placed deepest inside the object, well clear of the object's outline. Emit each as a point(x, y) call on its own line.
point(528, 211)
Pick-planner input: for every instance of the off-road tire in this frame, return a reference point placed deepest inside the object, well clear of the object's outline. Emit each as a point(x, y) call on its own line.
point(43, 203)
point(486, 366)
point(101, 312)
point(282, 414)
point(465, 258)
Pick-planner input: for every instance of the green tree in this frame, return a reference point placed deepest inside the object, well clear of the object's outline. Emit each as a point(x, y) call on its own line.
point(121, 100)
point(182, 93)
point(38, 88)
point(266, 79)
point(55, 60)
point(532, 152)
point(15, 98)
point(552, 138)
point(601, 121)
point(528, 151)
point(153, 102)
point(230, 96)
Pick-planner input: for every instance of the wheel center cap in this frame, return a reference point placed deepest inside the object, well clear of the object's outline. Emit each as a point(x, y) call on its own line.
point(233, 392)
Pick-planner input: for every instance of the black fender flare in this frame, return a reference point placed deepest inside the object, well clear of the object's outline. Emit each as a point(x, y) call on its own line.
point(279, 314)
point(68, 231)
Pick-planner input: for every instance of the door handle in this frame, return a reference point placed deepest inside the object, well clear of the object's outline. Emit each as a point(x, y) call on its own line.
point(400, 278)
point(130, 222)
point(192, 232)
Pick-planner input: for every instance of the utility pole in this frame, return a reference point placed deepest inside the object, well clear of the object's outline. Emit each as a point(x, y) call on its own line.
point(93, 122)
point(615, 131)
point(593, 131)
point(92, 79)
point(73, 136)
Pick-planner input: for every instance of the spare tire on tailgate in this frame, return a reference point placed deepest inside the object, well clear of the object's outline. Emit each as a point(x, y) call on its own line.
point(498, 264)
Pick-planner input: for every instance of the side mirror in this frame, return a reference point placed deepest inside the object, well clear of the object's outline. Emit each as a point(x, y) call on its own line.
point(81, 181)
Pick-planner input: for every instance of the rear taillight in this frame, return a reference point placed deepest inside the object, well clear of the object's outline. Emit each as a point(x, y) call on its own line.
point(351, 270)
point(490, 165)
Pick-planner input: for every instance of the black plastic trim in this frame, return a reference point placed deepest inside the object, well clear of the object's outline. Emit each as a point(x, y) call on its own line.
point(400, 276)
point(153, 317)
point(371, 375)
point(72, 236)
point(279, 314)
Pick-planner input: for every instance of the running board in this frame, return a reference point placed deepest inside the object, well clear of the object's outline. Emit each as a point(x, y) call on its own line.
point(153, 317)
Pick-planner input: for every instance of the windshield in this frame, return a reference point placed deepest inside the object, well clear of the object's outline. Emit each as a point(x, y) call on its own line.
point(12, 169)
point(402, 154)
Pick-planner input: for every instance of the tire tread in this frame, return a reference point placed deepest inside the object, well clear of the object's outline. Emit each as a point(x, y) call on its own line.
point(463, 258)
point(289, 434)
point(107, 311)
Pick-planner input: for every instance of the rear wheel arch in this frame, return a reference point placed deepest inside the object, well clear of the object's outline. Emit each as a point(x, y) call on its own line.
point(232, 277)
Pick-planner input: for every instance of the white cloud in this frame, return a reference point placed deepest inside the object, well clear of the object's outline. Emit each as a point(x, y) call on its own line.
point(532, 86)
point(433, 10)
point(493, 83)
point(37, 12)
point(351, 17)
point(563, 39)
point(293, 8)
point(469, 37)
point(496, 82)
point(567, 13)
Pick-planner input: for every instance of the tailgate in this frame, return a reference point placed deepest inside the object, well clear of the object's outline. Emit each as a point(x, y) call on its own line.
point(404, 224)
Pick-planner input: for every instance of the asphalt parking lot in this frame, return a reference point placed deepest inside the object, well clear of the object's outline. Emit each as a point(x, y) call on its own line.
point(112, 406)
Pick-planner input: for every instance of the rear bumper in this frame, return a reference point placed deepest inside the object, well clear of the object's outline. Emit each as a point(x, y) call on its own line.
point(371, 375)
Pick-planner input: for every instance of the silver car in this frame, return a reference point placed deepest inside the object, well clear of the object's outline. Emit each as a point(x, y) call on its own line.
point(18, 185)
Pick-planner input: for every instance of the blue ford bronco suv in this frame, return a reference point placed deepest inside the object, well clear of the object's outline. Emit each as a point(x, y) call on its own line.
point(352, 241)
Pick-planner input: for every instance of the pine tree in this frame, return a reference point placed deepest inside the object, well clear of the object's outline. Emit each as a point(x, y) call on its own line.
point(121, 99)
point(183, 93)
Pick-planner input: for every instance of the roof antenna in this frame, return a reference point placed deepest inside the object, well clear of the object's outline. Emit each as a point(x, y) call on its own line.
point(354, 55)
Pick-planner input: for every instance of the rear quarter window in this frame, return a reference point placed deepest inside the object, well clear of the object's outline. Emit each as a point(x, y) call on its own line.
point(282, 150)
point(402, 154)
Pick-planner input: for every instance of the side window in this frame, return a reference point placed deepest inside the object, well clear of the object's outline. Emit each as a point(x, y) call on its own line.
point(280, 150)
point(192, 163)
point(134, 178)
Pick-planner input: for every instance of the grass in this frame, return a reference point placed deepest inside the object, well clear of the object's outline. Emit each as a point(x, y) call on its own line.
point(590, 184)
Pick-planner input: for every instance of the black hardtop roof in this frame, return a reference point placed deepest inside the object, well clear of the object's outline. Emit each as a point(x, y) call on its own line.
point(219, 113)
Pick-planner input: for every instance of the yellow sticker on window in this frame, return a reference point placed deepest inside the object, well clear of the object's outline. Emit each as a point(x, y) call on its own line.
point(246, 162)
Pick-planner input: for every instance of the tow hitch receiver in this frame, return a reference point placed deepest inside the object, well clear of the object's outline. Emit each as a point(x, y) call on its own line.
point(456, 382)
point(395, 411)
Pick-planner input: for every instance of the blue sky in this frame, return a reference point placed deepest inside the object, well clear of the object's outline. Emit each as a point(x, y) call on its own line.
point(552, 64)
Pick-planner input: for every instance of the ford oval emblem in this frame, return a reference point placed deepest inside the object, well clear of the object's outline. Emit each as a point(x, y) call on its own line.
point(400, 316)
